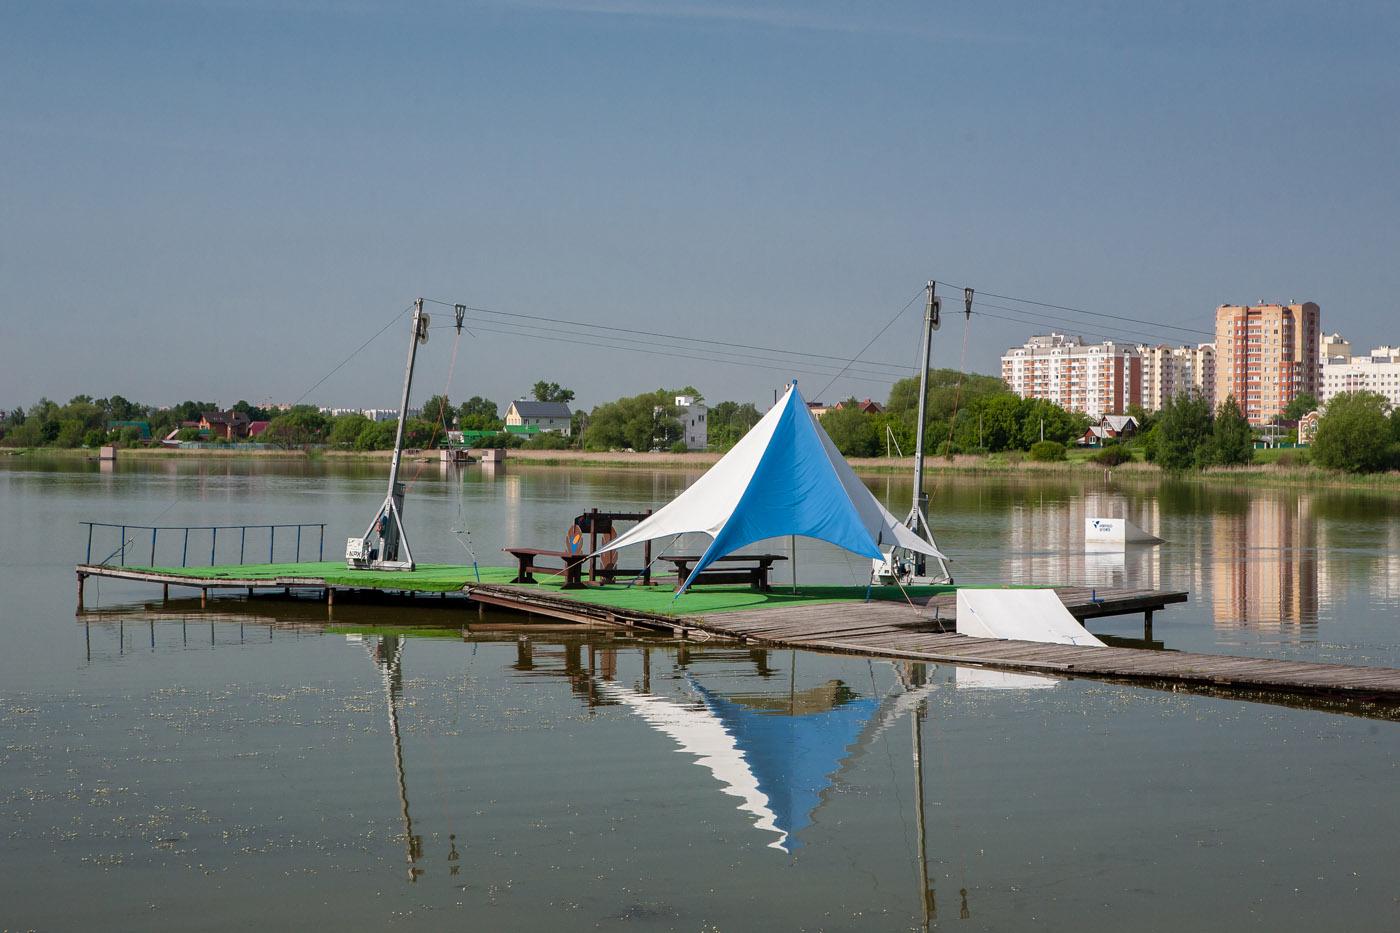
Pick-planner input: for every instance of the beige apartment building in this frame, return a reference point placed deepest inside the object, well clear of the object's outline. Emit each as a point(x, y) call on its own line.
point(1266, 355)
point(1097, 379)
point(1169, 371)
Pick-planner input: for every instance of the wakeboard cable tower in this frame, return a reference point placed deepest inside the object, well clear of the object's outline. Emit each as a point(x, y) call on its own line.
point(384, 545)
point(900, 565)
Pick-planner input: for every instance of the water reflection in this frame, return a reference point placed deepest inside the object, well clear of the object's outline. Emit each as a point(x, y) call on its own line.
point(1264, 563)
point(1046, 541)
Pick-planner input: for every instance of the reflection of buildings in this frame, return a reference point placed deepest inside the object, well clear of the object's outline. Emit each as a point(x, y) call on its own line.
point(1046, 543)
point(1264, 562)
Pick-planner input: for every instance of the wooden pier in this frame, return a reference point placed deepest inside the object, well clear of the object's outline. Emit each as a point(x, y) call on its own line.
point(836, 619)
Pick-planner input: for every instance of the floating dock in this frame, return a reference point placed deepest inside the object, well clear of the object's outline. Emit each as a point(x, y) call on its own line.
point(911, 624)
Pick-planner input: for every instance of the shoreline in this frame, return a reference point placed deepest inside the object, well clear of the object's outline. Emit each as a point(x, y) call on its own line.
point(994, 465)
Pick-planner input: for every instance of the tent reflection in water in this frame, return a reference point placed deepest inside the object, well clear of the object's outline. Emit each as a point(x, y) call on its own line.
point(784, 478)
point(779, 754)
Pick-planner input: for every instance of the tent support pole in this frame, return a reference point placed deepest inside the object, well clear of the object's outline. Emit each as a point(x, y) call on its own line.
point(792, 550)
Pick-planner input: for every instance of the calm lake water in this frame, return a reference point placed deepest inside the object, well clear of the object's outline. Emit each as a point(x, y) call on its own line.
point(164, 767)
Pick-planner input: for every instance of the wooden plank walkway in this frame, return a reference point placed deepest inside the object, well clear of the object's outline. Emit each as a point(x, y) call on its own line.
point(897, 630)
point(920, 632)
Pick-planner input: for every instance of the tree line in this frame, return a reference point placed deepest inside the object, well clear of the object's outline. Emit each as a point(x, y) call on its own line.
point(966, 413)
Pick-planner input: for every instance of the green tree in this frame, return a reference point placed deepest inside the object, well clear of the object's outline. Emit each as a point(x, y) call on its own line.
point(1058, 424)
point(894, 433)
point(1354, 434)
point(1183, 429)
point(1231, 438)
point(376, 435)
point(419, 433)
point(639, 422)
point(552, 392)
point(1300, 406)
point(851, 430)
point(299, 426)
point(479, 414)
point(438, 410)
point(346, 430)
point(729, 421)
point(948, 390)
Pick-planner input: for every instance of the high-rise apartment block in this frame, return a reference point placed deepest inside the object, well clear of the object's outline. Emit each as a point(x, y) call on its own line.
point(1266, 355)
point(1097, 379)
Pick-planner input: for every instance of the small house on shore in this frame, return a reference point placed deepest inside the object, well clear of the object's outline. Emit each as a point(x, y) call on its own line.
point(554, 417)
point(1109, 427)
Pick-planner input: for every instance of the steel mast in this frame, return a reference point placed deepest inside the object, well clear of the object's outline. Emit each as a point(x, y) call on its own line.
point(388, 523)
point(917, 521)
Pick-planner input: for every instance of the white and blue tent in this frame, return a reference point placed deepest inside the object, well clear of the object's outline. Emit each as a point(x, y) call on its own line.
point(785, 477)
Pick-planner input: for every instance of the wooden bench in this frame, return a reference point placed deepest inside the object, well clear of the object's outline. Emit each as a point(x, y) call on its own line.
point(754, 572)
point(528, 558)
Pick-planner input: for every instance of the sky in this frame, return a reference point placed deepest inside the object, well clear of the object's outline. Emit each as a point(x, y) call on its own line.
point(224, 199)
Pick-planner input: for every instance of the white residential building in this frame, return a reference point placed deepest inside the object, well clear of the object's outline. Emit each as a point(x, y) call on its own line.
point(693, 421)
point(1097, 379)
point(1378, 371)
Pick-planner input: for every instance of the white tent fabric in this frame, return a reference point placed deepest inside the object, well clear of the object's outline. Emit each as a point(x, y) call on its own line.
point(1025, 615)
point(784, 477)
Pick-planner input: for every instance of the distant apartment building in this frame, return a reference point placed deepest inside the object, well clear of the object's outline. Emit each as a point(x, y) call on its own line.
point(1378, 371)
point(1204, 376)
point(1266, 355)
point(1168, 372)
point(1096, 379)
point(691, 415)
point(373, 414)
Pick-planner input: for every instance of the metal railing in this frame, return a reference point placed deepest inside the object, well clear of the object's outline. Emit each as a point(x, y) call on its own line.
point(129, 533)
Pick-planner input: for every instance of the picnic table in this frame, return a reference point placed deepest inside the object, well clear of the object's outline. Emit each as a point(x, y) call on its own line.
point(753, 571)
point(528, 558)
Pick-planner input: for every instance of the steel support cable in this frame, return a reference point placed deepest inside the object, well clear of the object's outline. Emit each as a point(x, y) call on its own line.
point(871, 343)
point(353, 354)
point(1092, 330)
point(1116, 317)
point(769, 367)
point(728, 356)
point(649, 333)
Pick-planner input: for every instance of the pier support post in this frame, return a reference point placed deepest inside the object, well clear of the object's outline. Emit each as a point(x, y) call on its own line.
point(330, 596)
point(203, 596)
point(81, 580)
point(1147, 625)
point(165, 592)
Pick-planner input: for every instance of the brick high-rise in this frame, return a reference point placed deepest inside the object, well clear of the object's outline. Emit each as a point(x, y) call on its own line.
point(1266, 355)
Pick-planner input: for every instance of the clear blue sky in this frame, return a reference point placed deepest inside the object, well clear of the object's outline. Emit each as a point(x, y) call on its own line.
point(222, 199)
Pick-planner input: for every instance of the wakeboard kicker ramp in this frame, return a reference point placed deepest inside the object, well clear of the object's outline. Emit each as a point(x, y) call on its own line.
point(1021, 615)
point(1115, 533)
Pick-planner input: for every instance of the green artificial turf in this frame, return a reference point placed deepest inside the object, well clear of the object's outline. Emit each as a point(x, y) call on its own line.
point(660, 600)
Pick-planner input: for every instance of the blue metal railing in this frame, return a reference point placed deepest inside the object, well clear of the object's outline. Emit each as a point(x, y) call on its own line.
point(129, 539)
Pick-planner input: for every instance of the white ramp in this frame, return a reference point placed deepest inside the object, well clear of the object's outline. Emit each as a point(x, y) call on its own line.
point(1115, 533)
point(1024, 615)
